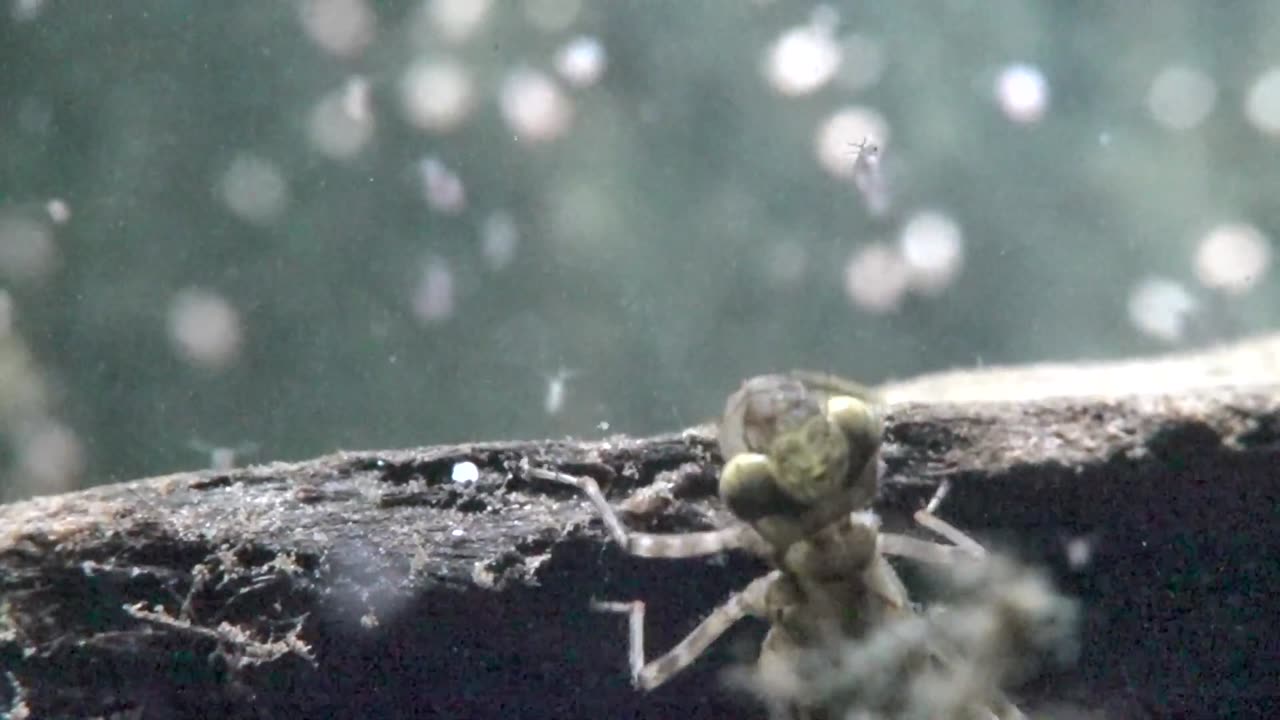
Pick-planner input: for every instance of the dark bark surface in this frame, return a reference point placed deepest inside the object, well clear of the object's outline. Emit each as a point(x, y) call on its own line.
point(374, 584)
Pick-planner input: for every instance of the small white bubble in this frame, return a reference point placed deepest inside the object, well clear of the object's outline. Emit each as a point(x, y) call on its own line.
point(437, 95)
point(433, 298)
point(1180, 98)
point(603, 426)
point(1160, 307)
point(1022, 93)
point(342, 27)
point(581, 62)
point(1262, 105)
point(441, 187)
point(499, 238)
point(1232, 258)
point(932, 247)
point(457, 532)
point(58, 210)
point(1079, 552)
point(534, 106)
point(254, 189)
point(465, 472)
point(876, 278)
point(802, 60)
point(205, 329)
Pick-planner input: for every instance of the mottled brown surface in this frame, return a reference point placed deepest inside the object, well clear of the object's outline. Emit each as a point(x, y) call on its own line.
point(371, 583)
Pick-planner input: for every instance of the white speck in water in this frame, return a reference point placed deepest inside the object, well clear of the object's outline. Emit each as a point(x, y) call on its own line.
point(465, 472)
point(1022, 92)
point(433, 298)
point(1079, 552)
point(59, 211)
point(581, 61)
point(437, 94)
point(441, 187)
point(553, 403)
point(499, 238)
point(457, 532)
point(932, 246)
point(802, 60)
point(1232, 258)
point(534, 107)
point(1160, 307)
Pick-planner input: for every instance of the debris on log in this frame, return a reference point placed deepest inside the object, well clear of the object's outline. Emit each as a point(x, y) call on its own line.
point(445, 582)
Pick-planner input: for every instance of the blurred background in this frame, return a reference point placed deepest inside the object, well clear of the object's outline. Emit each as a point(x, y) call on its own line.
point(257, 230)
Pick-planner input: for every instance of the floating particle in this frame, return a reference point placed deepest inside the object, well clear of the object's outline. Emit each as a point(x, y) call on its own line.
point(464, 472)
point(27, 247)
point(433, 298)
point(204, 329)
point(441, 187)
point(802, 60)
point(254, 189)
point(581, 61)
point(1160, 308)
point(341, 27)
point(1262, 105)
point(1022, 92)
point(1180, 98)
point(1232, 258)
point(223, 458)
point(837, 139)
point(534, 107)
point(50, 456)
point(932, 247)
point(499, 238)
point(457, 20)
point(876, 278)
point(1079, 551)
point(437, 95)
point(58, 210)
point(341, 124)
point(557, 388)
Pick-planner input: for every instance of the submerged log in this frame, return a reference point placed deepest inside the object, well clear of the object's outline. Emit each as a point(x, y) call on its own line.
point(445, 582)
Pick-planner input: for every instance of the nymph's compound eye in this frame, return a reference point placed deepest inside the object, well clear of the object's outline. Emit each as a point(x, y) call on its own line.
point(861, 425)
point(750, 491)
